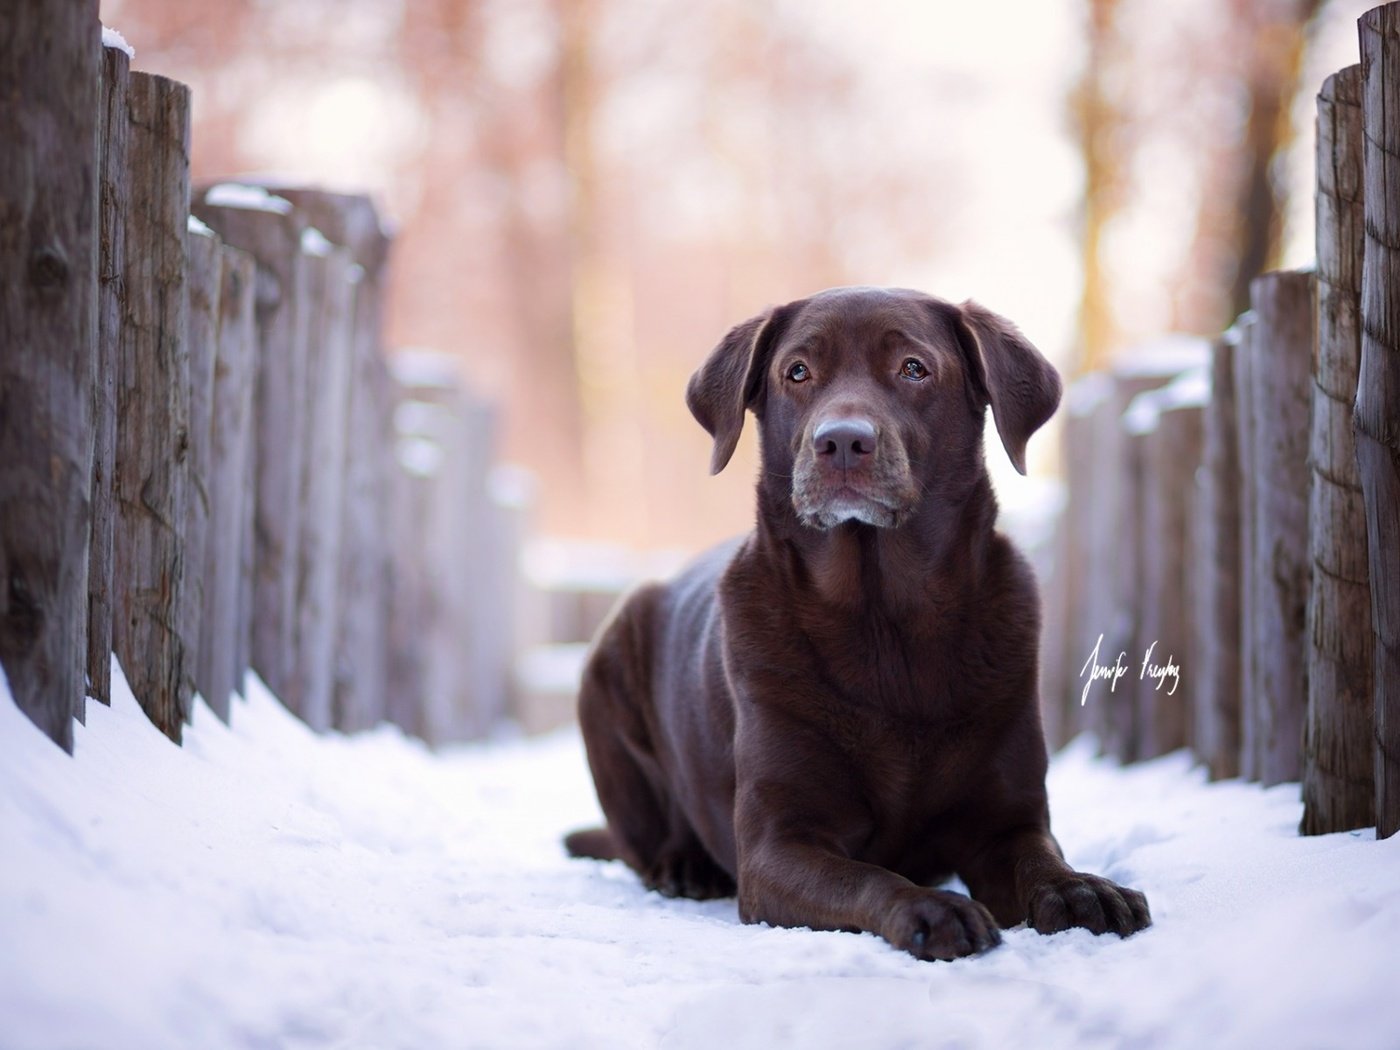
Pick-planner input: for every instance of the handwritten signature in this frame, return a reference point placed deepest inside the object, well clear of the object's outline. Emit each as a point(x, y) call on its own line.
point(1116, 670)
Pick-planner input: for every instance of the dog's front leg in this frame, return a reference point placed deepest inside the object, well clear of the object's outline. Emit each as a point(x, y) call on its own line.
point(793, 881)
point(800, 823)
point(1021, 876)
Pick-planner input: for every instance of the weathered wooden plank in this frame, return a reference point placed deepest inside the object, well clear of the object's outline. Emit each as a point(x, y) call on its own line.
point(407, 458)
point(1216, 722)
point(1378, 389)
point(153, 405)
point(270, 230)
point(1169, 421)
point(112, 204)
point(1055, 623)
point(1083, 558)
point(1281, 400)
point(49, 73)
point(1118, 538)
point(330, 292)
point(203, 278)
point(361, 658)
point(1244, 365)
point(1338, 759)
point(230, 500)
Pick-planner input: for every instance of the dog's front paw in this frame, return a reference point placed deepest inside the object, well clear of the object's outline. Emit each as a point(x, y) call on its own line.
point(1088, 901)
point(936, 924)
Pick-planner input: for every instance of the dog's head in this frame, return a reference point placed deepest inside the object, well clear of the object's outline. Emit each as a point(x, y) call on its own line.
point(872, 399)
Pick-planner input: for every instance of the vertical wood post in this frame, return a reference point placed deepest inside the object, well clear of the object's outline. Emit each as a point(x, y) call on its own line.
point(1282, 380)
point(270, 230)
point(1169, 420)
point(203, 279)
point(1084, 617)
point(49, 73)
point(1338, 759)
point(1244, 365)
point(330, 292)
point(1378, 389)
point(153, 405)
point(1117, 537)
point(1216, 723)
point(112, 205)
point(361, 656)
point(230, 502)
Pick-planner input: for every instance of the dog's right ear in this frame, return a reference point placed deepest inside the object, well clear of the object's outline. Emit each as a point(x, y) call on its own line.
point(729, 382)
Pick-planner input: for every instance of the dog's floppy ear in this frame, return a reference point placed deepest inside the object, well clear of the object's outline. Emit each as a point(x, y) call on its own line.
point(729, 382)
point(1014, 378)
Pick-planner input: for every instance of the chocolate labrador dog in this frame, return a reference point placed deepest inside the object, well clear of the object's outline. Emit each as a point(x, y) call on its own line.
point(839, 711)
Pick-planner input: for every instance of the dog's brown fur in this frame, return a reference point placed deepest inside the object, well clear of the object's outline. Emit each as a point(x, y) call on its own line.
point(840, 710)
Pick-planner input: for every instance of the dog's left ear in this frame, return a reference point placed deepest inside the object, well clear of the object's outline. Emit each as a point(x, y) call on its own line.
point(729, 382)
point(1014, 378)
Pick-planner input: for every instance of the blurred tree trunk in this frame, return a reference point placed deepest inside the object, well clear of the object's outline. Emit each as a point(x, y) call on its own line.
point(1239, 223)
point(1099, 121)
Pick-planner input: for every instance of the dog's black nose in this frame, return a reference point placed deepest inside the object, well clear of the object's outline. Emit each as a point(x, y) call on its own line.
point(847, 441)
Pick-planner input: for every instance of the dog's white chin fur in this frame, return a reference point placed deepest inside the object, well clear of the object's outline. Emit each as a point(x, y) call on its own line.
point(844, 508)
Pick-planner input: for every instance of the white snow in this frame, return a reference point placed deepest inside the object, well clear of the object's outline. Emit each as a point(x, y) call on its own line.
point(314, 242)
point(1191, 389)
point(248, 197)
point(265, 887)
point(194, 225)
point(111, 38)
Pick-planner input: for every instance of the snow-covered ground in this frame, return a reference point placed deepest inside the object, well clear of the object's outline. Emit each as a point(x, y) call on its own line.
point(265, 887)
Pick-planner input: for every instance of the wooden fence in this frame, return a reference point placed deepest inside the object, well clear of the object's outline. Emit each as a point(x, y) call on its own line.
point(1230, 537)
point(207, 464)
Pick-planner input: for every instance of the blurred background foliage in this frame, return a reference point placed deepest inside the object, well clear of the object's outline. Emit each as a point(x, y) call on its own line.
point(587, 193)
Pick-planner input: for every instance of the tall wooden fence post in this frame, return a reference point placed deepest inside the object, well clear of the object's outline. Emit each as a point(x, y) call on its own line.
point(1083, 616)
point(1281, 374)
point(270, 230)
point(153, 406)
point(49, 74)
point(1245, 416)
point(230, 498)
point(1338, 760)
point(203, 282)
point(330, 291)
point(1216, 729)
point(1169, 423)
point(112, 204)
point(361, 656)
point(1378, 391)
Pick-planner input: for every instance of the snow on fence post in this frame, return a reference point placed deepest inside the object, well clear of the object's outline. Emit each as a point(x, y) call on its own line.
point(1281, 376)
point(153, 407)
point(330, 296)
point(1216, 673)
point(114, 125)
point(218, 671)
point(203, 278)
point(1168, 422)
point(1338, 762)
point(49, 74)
point(1377, 418)
point(270, 230)
point(361, 656)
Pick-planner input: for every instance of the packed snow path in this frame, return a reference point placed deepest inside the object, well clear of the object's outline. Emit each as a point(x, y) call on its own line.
point(265, 887)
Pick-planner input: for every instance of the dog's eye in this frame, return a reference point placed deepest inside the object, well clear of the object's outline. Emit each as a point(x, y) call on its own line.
point(912, 369)
point(799, 373)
